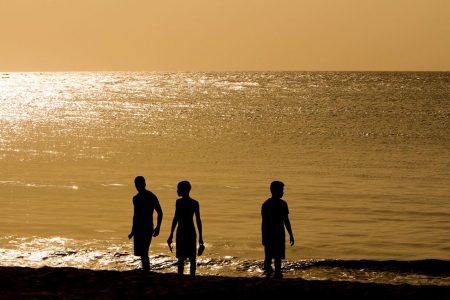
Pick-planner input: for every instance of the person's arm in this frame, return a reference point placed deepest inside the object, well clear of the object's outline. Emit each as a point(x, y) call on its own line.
point(131, 234)
point(263, 226)
point(159, 220)
point(287, 223)
point(199, 224)
point(172, 229)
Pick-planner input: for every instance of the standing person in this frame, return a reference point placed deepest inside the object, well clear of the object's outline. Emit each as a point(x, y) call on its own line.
point(186, 239)
point(144, 202)
point(275, 217)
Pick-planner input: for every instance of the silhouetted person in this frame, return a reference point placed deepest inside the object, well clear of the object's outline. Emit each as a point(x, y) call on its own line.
point(144, 202)
point(186, 239)
point(274, 213)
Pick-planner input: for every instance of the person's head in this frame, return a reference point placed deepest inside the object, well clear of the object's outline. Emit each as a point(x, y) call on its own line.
point(183, 188)
point(139, 182)
point(277, 189)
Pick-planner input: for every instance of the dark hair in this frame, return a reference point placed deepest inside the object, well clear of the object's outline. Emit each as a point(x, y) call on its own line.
point(184, 186)
point(276, 187)
point(139, 181)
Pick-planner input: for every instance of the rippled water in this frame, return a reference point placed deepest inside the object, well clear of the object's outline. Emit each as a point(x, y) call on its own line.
point(364, 156)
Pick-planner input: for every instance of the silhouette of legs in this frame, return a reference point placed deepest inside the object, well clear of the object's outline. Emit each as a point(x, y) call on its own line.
point(145, 263)
point(192, 262)
point(180, 264)
point(278, 268)
point(193, 265)
point(268, 270)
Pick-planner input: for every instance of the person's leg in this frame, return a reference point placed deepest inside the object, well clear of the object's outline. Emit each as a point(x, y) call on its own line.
point(268, 266)
point(181, 265)
point(193, 265)
point(145, 262)
point(268, 270)
point(145, 258)
point(278, 268)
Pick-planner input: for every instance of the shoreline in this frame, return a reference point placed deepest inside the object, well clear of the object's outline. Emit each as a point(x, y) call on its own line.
point(73, 283)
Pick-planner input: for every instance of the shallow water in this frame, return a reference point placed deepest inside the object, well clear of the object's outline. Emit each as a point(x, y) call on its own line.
point(364, 156)
point(101, 255)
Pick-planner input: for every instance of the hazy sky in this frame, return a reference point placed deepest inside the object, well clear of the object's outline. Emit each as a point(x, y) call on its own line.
point(64, 35)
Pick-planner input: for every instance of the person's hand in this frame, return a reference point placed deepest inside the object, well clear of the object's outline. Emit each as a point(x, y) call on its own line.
point(130, 235)
point(156, 231)
point(169, 242)
point(201, 247)
point(291, 240)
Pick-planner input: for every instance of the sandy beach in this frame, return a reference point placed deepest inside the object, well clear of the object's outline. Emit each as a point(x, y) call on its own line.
point(72, 283)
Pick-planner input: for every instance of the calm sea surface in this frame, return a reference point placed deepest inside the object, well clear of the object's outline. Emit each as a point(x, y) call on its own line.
point(365, 158)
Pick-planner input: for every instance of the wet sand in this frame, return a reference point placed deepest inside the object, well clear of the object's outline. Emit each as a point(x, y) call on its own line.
point(71, 283)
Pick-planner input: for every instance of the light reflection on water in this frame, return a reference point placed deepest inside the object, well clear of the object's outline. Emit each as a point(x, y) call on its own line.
point(364, 157)
point(98, 255)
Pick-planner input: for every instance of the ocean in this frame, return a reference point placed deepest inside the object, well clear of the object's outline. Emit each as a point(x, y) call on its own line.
point(365, 158)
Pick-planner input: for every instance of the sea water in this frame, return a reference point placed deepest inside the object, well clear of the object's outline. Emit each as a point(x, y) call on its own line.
point(365, 158)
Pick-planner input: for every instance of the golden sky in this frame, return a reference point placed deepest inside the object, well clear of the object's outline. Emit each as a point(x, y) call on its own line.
point(218, 35)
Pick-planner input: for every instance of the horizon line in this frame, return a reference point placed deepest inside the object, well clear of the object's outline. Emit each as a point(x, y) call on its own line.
point(226, 71)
